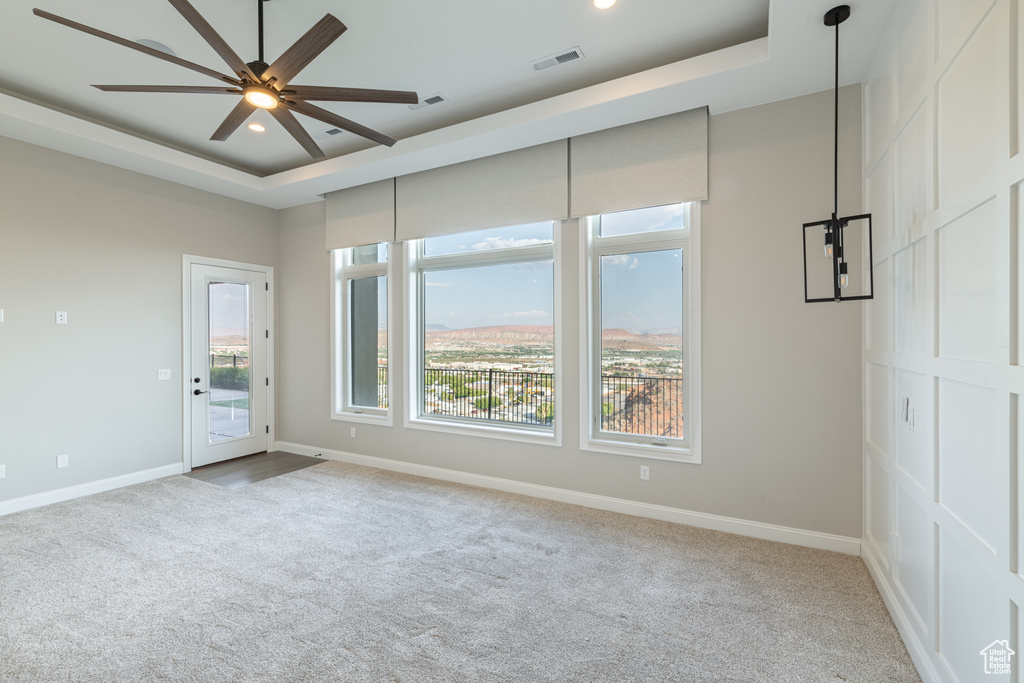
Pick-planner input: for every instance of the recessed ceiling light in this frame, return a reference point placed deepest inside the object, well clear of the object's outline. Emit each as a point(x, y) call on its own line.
point(603, 4)
point(256, 127)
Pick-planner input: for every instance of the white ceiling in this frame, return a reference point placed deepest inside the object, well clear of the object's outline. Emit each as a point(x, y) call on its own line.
point(643, 58)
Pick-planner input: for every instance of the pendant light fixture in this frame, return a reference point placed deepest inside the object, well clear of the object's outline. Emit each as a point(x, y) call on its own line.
point(843, 240)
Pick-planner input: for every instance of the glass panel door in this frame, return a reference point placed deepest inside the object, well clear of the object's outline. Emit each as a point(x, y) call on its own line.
point(229, 352)
point(229, 385)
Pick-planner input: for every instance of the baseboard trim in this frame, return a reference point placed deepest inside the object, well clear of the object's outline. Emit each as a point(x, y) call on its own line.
point(87, 489)
point(742, 527)
point(919, 653)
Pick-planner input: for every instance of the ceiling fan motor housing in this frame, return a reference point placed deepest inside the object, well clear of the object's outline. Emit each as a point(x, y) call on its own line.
point(258, 67)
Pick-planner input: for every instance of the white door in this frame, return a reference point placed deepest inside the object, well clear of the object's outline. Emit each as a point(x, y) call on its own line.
point(228, 385)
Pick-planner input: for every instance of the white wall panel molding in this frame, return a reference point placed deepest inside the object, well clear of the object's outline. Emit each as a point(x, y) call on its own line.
point(880, 457)
point(916, 53)
point(912, 568)
point(877, 492)
point(957, 21)
point(921, 650)
point(948, 571)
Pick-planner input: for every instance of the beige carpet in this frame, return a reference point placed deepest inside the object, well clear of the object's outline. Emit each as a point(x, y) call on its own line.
point(344, 573)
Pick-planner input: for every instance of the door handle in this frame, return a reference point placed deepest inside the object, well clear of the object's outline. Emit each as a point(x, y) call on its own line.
point(197, 392)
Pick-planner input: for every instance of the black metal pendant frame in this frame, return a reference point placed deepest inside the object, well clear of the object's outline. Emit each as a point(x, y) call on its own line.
point(835, 225)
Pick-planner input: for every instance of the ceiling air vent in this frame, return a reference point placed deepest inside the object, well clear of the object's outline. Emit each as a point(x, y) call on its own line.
point(571, 55)
point(436, 98)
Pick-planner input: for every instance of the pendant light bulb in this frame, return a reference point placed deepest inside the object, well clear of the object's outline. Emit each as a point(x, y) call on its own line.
point(844, 277)
point(828, 244)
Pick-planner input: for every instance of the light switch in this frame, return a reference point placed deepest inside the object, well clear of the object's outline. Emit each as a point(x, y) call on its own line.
point(62, 317)
point(1, 315)
point(163, 374)
point(3, 471)
point(62, 461)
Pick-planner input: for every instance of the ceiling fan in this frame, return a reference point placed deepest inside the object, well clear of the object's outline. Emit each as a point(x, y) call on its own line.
point(261, 85)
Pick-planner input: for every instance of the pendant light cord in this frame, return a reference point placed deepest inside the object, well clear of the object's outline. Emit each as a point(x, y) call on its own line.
point(835, 211)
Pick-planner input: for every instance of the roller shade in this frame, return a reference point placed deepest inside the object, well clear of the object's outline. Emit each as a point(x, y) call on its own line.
point(522, 186)
point(649, 163)
point(361, 215)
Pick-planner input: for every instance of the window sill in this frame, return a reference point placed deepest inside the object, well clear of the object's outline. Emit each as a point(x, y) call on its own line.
point(645, 451)
point(487, 431)
point(365, 418)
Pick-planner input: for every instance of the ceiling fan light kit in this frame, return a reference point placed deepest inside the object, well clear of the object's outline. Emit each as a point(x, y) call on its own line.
point(261, 85)
point(261, 97)
point(832, 277)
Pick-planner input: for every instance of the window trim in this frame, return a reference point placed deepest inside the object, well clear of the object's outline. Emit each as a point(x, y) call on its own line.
point(688, 239)
point(342, 272)
point(413, 313)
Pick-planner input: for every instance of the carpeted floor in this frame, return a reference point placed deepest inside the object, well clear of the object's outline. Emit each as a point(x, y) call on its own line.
point(344, 573)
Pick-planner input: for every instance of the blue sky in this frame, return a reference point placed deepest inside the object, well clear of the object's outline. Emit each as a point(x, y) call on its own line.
point(641, 291)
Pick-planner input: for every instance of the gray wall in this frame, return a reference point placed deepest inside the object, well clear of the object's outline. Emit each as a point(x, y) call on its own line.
point(106, 246)
point(782, 406)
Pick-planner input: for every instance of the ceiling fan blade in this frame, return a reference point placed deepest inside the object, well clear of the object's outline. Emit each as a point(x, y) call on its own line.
point(315, 112)
point(219, 45)
point(133, 45)
point(236, 118)
point(305, 50)
point(169, 88)
point(316, 92)
point(292, 125)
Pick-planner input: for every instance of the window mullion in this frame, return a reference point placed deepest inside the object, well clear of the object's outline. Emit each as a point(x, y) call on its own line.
point(496, 257)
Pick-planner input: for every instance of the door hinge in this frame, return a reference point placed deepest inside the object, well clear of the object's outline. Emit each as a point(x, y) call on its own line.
point(268, 429)
point(268, 381)
point(266, 286)
point(268, 334)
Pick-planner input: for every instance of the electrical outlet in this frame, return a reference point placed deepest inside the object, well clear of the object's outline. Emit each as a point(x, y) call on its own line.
point(62, 461)
point(163, 374)
point(645, 472)
point(352, 432)
point(62, 317)
point(3, 471)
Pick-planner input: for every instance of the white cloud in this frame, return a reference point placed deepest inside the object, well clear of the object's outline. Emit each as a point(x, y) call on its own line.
point(507, 243)
point(622, 260)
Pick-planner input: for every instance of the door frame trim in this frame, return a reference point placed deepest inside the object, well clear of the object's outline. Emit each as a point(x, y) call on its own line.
point(187, 261)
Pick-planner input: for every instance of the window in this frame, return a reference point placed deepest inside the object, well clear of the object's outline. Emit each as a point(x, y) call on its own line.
point(360, 377)
point(485, 330)
point(642, 368)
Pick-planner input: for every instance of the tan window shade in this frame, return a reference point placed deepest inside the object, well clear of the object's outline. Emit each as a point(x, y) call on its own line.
point(523, 186)
point(361, 215)
point(648, 163)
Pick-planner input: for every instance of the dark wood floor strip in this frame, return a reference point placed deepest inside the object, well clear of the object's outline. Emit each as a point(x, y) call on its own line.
point(233, 474)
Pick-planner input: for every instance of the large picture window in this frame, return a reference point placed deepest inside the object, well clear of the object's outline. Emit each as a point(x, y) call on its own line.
point(486, 328)
point(641, 369)
point(361, 326)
